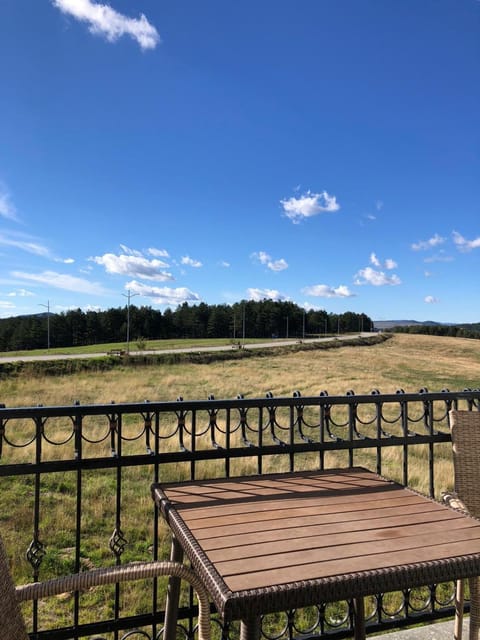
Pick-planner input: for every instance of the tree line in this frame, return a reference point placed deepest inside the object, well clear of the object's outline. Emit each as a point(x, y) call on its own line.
point(471, 330)
point(250, 319)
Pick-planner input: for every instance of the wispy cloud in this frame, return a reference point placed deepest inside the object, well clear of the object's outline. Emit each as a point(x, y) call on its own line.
point(158, 253)
point(190, 262)
point(324, 291)
point(463, 244)
point(7, 209)
point(61, 281)
point(375, 278)
point(24, 243)
point(423, 245)
point(273, 265)
point(133, 265)
point(441, 256)
point(21, 293)
point(163, 295)
point(104, 21)
point(309, 204)
point(265, 294)
point(431, 300)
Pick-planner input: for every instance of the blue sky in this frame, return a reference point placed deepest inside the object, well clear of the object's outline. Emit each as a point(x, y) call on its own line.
point(320, 151)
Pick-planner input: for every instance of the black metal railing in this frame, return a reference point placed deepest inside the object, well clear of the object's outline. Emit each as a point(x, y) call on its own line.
point(75, 492)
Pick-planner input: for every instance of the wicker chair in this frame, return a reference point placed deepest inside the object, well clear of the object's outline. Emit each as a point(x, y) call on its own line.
point(12, 625)
point(465, 429)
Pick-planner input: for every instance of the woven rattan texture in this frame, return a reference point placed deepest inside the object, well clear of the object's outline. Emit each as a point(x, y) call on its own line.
point(465, 428)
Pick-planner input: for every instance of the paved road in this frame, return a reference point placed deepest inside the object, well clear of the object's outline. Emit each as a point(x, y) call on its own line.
point(258, 345)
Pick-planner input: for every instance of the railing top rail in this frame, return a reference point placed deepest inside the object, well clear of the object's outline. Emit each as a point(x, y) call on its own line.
point(323, 399)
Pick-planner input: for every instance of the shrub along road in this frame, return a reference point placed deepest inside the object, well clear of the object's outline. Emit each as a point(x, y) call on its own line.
point(239, 345)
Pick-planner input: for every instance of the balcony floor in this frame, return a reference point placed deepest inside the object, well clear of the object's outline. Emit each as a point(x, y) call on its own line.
point(438, 631)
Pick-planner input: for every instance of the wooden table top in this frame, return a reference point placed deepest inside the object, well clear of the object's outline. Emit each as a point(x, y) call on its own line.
point(270, 542)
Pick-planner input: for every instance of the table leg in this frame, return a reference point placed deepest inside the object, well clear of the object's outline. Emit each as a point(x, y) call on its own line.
point(474, 633)
point(173, 594)
point(359, 619)
point(250, 628)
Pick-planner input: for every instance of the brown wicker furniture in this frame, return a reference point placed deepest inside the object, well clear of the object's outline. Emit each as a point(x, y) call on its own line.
point(12, 625)
point(275, 542)
point(465, 429)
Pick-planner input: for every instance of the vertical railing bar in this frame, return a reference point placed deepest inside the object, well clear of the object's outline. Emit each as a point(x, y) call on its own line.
point(405, 432)
point(227, 442)
point(351, 426)
point(156, 478)
point(78, 425)
point(430, 450)
point(260, 441)
point(194, 443)
point(118, 507)
point(291, 455)
point(36, 512)
point(378, 406)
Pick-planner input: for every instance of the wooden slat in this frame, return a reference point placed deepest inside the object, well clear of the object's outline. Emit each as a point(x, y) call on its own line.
point(266, 525)
point(360, 563)
point(283, 547)
point(337, 548)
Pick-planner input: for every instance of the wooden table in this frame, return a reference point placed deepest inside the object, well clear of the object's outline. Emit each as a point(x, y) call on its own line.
point(276, 542)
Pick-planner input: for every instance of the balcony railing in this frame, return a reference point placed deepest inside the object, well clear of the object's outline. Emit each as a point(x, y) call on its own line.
point(75, 492)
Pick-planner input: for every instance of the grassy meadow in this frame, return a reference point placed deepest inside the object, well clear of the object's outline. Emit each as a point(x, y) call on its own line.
point(410, 362)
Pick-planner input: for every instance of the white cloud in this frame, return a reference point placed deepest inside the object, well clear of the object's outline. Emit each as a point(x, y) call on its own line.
point(225, 264)
point(379, 205)
point(324, 291)
point(163, 295)
point(7, 209)
point(463, 244)
point(68, 261)
point(191, 262)
point(21, 293)
point(134, 266)
point(265, 294)
point(375, 278)
point(25, 244)
point(431, 300)
point(105, 21)
point(273, 265)
point(158, 253)
point(423, 245)
point(374, 260)
point(308, 205)
point(427, 274)
point(61, 281)
point(388, 264)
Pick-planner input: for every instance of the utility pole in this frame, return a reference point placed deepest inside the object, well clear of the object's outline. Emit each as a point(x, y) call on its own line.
point(128, 295)
point(303, 336)
point(243, 325)
point(47, 307)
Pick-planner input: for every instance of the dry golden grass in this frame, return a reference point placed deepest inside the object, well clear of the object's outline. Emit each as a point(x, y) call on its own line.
point(406, 361)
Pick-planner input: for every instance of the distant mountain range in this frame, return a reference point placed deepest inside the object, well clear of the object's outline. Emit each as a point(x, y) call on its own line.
point(388, 324)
